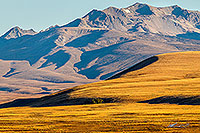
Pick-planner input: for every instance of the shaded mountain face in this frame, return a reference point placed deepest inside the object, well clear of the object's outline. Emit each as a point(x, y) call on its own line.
point(17, 32)
point(92, 48)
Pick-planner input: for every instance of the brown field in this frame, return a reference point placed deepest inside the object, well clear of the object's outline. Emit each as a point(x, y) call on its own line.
point(173, 74)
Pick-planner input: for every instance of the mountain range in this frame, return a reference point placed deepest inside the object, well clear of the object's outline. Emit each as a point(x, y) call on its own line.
point(92, 48)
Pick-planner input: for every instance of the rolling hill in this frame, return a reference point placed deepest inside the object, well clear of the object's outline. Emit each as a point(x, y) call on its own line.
point(119, 103)
point(92, 48)
point(173, 74)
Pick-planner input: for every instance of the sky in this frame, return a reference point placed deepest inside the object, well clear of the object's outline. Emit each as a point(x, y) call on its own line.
point(41, 14)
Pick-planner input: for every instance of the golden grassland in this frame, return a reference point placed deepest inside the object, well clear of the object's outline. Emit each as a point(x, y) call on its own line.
point(115, 117)
point(173, 74)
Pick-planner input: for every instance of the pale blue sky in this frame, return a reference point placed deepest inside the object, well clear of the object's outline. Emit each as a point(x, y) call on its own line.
point(40, 14)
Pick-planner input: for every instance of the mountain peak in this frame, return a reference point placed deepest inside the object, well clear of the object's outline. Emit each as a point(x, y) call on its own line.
point(178, 11)
point(16, 27)
point(112, 8)
point(141, 17)
point(139, 5)
point(175, 6)
point(141, 9)
point(16, 32)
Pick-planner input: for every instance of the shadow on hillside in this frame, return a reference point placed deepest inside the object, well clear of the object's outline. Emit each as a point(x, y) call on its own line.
point(10, 73)
point(180, 100)
point(6, 89)
point(86, 39)
point(138, 66)
point(59, 58)
point(190, 35)
point(144, 10)
point(28, 47)
point(60, 99)
point(98, 54)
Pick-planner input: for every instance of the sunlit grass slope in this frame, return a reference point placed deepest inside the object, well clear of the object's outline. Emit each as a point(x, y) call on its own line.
point(171, 74)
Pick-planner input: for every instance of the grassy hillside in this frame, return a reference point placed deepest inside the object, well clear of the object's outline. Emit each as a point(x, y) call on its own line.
point(174, 74)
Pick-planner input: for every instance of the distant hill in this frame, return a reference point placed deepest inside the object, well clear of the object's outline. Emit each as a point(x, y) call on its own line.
point(92, 48)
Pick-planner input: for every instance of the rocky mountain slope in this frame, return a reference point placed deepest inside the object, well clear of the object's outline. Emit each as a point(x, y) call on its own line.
point(139, 17)
point(17, 32)
point(92, 48)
